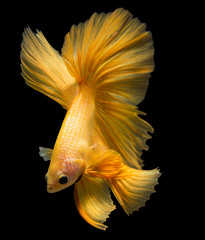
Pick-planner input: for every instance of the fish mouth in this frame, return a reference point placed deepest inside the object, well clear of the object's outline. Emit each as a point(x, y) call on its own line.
point(50, 189)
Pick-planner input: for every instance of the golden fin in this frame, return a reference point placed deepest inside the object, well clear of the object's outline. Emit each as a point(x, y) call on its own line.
point(93, 200)
point(133, 191)
point(103, 163)
point(44, 69)
point(131, 187)
point(113, 53)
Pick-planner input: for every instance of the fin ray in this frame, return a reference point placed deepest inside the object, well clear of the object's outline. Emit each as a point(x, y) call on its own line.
point(44, 69)
point(113, 53)
point(132, 187)
point(132, 192)
point(93, 200)
point(45, 153)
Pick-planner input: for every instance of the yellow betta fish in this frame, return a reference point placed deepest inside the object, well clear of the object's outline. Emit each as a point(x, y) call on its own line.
point(100, 77)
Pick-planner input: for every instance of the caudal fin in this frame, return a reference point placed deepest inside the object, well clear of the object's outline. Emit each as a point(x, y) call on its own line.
point(113, 54)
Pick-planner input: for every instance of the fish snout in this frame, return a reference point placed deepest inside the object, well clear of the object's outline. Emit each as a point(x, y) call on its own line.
point(49, 188)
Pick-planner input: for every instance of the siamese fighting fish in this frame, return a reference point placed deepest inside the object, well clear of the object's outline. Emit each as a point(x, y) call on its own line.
point(99, 79)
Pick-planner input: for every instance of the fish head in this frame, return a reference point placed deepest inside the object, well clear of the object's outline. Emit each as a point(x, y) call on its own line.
point(64, 174)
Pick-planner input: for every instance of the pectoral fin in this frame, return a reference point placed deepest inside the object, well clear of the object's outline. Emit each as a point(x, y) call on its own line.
point(93, 200)
point(45, 153)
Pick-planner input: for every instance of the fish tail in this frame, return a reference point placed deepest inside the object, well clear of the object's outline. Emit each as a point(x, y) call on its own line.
point(113, 54)
point(44, 69)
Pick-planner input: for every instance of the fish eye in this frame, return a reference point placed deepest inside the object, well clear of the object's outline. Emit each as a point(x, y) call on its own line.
point(63, 179)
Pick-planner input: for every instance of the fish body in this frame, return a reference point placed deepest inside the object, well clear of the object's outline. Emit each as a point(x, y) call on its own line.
point(100, 77)
point(74, 138)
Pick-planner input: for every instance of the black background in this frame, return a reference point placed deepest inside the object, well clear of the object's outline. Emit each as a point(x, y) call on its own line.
point(35, 120)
